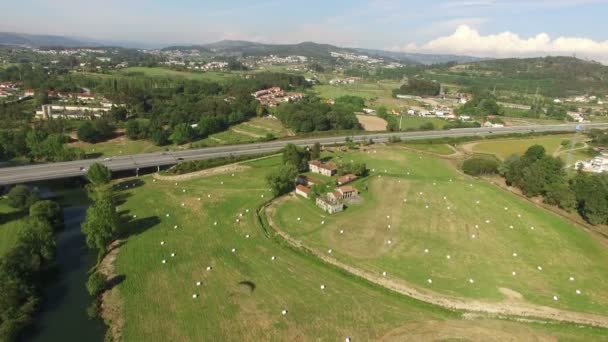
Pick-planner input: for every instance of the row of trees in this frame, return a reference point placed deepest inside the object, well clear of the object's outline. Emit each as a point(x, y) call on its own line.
point(23, 266)
point(419, 87)
point(100, 227)
point(36, 144)
point(311, 114)
point(295, 160)
point(482, 103)
point(539, 174)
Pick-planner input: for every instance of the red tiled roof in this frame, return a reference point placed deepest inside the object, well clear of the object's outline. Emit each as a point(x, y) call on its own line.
point(303, 188)
point(346, 178)
point(346, 188)
point(319, 164)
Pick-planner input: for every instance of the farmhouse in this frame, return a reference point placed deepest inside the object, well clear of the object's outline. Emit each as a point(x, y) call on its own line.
point(326, 169)
point(346, 179)
point(328, 205)
point(344, 192)
point(302, 190)
point(307, 181)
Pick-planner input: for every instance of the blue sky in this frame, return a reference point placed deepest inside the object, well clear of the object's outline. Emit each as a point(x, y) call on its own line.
point(384, 24)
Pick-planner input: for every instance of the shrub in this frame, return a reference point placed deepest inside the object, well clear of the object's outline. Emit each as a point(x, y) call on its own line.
point(20, 197)
point(93, 310)
point(427, 126)
point(480, 166)
point(96, 284)
point(49, 211)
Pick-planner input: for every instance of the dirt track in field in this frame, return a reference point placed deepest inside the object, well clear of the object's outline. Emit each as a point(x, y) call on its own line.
point(372, 123)
point(513, 306)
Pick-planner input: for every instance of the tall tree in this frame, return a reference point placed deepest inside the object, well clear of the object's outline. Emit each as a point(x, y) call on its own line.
point(101, 224)
point(99, 174)
point(315, 153)
point(282, 180)
point(295, 156)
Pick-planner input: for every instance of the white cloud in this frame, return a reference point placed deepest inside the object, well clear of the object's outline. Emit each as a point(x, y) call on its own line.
point(468, 41)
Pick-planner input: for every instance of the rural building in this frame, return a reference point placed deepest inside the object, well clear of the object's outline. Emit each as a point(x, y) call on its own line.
point(326, 169)
point(70, 112)
point(328, 205)
point(346, 179)
point(344, 192)
point(596, 165)
point(307, 181)
point(302, 190)
point(273, 96)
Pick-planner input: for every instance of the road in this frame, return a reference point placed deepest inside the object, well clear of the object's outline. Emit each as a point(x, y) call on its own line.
point(38, 172)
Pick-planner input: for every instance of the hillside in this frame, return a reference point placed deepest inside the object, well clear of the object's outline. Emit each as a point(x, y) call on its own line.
point(550, 76)
point(35, 40)
point(308, 49)
point(420, 57)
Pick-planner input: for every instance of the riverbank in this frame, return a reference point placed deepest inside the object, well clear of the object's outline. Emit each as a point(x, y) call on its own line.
point(65, 300)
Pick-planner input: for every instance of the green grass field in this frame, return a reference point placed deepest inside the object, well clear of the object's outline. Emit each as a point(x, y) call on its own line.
point(117, 147)
point(376, 93)
point(242, 296)
point(477, 237)
point(409, 122)
point(10, 224)
point(165, 72)
point(503, 148)
point(442, 149)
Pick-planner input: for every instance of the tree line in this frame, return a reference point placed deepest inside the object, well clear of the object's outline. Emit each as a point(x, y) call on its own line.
point(312, 114)
point(536, 173)
point(23, 267)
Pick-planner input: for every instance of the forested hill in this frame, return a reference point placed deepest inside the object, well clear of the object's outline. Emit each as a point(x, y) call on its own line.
point(552, 76)
point(308, 49)
point(36, 40)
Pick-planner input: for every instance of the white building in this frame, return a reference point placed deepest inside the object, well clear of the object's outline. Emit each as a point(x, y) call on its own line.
point(596, 165)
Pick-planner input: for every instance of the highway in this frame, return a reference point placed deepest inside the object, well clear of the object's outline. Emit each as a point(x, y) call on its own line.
point(39, 172)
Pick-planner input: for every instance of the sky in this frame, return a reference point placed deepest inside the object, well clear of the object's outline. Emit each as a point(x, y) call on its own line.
point(485, 28)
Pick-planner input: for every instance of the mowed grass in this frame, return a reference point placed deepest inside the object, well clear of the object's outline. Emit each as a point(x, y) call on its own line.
point(10, 224)
point(260, 127)
point(242, 297)
point(409, 122)
point(366, 89)
point(503, 148)
point(476, 236)
point(442, 149)
point(117, 147)
point(165, 72)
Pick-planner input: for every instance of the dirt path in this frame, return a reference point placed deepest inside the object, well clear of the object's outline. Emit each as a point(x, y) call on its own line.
point(111, 301)
point(249, 134)
point(510, 307)
point(456, 153)
point(202, 173)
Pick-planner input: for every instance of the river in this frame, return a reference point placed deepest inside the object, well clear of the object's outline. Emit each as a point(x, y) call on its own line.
point(62, 315)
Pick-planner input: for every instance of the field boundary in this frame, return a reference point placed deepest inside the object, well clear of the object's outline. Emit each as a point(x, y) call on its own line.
point(497, 309)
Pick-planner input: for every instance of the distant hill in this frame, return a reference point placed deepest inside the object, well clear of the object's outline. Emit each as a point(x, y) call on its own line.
point(245, 48)
point(550, 76)
point(420, 58)
point(308, 49)
point(36, 40)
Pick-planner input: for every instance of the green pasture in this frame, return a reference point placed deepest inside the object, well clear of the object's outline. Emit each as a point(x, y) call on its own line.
point(436, 208)
point(244, 293)
point(165, 72)
point(503, 148)
point(442, 149)
point(10, 224)
point(414, 122)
